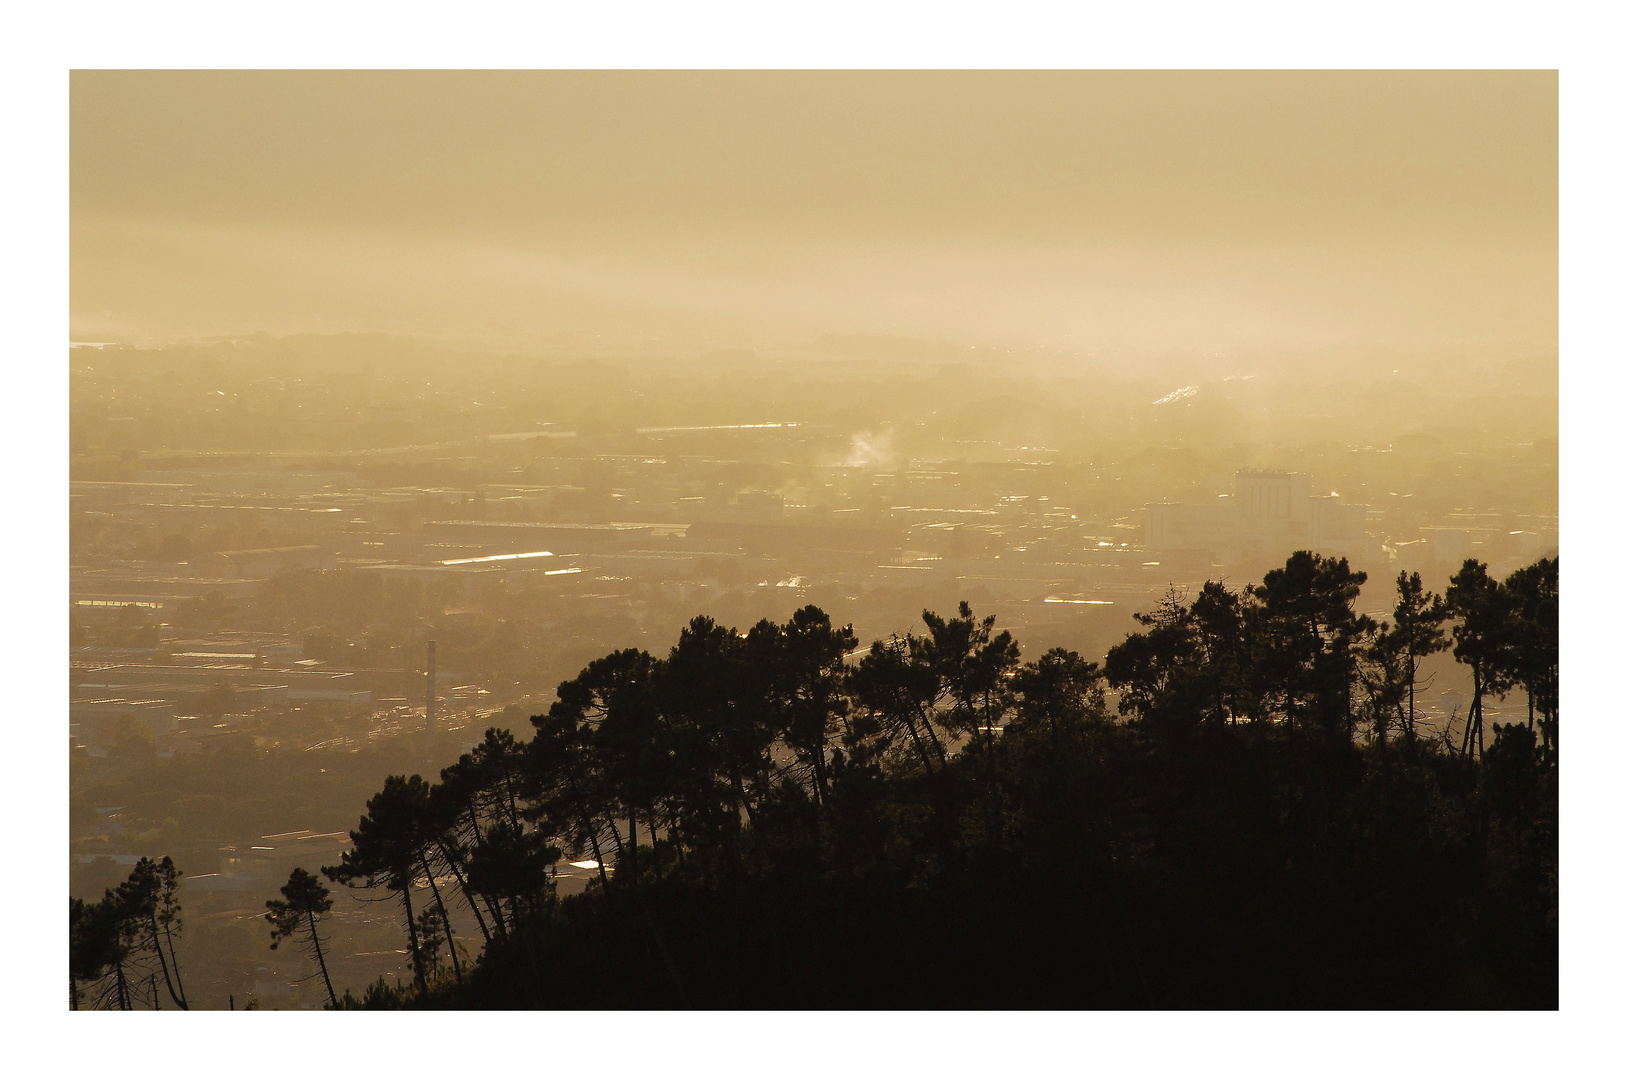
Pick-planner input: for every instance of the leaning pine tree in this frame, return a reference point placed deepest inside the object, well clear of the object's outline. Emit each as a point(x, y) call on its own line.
point(387, 851)
point(305, 902)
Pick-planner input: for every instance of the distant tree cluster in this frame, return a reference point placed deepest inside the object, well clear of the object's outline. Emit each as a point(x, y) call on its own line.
point(776, 818)
point(122, 945)
point(1292, 651)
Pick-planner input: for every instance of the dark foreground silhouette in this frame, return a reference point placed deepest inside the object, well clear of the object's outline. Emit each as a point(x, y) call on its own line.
point(777, 821)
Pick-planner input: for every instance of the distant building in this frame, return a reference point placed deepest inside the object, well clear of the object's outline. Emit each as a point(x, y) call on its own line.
point(760, 506)
point(261, 562)
point(254, 687)
point(509, 536)
point(1189, 527)
point(1273, 512)
point(1269, 512)
point(1338, 527)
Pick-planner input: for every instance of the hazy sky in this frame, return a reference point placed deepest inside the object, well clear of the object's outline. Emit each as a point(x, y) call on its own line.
point(675, 211)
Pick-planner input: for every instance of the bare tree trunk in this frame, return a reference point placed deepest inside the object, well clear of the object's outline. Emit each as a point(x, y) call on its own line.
point(1473, 720)
point(124, 987)
point(508, 794)
point(322, 965)
point(633, 844)
point(412, 935)
point(621, 849)
point(650, 831)
point(1472, 727)
point(989, 733)
point(593, 839)
point(921, 751)
point(446, 920)
point(175, 965)
point(927, 723)
point(163, 964)
point(1413, 678)
point(463, 886)
point(822, 793)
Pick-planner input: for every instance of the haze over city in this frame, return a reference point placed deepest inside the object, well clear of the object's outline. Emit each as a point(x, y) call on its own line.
point(420, 421)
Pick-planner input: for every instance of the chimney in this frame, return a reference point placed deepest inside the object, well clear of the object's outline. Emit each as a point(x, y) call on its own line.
point(429, 690)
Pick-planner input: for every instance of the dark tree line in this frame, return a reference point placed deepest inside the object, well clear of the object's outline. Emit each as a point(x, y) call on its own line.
point(1292, 651)
point(776, 819)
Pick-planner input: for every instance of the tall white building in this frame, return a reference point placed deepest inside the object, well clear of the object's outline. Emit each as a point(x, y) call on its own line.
point(1272, 510)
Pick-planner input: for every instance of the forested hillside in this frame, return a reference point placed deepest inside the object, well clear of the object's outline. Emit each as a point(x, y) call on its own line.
point(1239, 807)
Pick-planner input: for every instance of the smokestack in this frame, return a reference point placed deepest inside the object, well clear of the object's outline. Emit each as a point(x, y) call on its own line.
point(429, 690)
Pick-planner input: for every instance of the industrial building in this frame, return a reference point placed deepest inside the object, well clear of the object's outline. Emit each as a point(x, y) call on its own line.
point(1269, 513)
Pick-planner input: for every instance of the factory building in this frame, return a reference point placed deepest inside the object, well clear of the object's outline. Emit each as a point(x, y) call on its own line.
point(1268, 513)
